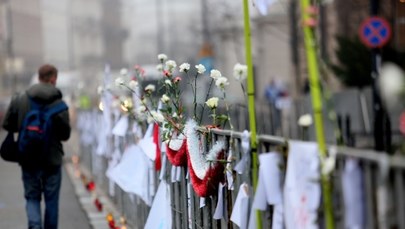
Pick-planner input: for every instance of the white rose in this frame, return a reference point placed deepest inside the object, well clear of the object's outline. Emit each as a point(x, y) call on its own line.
point(150, 88)
point(119, 81)
point(215, 74)
point(212, 102)
point(162, 57)
point(305, 120)
point(200, 69)
point(240, 72)
point(133, 84)
point(165, 99)
point(184, 67)
point(221, 82)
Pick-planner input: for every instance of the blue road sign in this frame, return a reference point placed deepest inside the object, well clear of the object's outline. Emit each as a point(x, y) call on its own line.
point(375, 32)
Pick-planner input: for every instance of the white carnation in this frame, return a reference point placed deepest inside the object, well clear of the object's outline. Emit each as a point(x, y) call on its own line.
point(119, 81)
point(240, 72)
point(159, 67)
point(165, 99)
point(221, 82)
point(162, 57)
point(157, 116)
point(212, 102)
point(168, 82)
point(200, 69)
point(150, 88)
point(184, 67)
point(305, 120)
point(215, 74)
point(133, 84)
point(170, 65)
point(124, 71)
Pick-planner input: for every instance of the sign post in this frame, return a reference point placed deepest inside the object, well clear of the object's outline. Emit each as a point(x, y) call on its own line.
point(375, 32)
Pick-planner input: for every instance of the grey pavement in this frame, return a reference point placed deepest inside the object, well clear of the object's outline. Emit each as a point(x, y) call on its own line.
point(12, 204)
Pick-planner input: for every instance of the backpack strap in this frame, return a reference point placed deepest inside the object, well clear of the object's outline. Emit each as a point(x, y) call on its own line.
point(55, 109)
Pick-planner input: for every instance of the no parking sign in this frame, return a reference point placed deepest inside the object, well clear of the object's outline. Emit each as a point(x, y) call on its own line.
point(375, 32)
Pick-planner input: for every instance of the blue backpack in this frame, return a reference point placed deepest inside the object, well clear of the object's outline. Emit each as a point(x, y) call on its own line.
point(36, 129)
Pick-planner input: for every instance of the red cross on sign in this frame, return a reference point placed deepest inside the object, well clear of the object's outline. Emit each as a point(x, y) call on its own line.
point(375, 32)
point(402, 123)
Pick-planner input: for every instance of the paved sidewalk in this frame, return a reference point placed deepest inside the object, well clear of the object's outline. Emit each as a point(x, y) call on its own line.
point(97, 219)
point(12, 204)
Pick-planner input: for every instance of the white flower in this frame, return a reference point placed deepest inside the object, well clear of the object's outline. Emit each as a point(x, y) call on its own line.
point(162, 57)
point(212, 102)
point(159, 67)
point(221, 82)
point(305, 120)
point(119, 81)
point(200, 69)
point(184, 67)
point(174, 115)
point(240, 72)
point(391, 84)
point(165, 99)
point(215, 74)
point(328, 165)
point(329, 162)
point(170, 65)
point(168, 82)
point(124, 71)
point(144, 100)
point(150, 88)
point(133, 84)
point(157, 116)
point(100, 90)
point(141, 109)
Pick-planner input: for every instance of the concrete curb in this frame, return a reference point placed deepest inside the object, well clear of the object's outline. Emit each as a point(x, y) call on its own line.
point(97, 219)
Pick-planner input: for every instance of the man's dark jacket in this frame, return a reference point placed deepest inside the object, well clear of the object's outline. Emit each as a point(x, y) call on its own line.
point(46, 94)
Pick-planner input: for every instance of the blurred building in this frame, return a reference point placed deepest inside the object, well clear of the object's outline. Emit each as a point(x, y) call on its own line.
point(21, 42)
point(71, 34)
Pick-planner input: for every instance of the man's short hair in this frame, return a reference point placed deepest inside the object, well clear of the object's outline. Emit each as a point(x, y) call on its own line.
point(46, 72)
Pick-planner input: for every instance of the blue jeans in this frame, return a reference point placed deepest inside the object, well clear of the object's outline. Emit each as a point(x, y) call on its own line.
point(37, 181)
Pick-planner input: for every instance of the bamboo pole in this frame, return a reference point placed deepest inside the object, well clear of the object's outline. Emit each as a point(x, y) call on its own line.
point(313, 71)
point(251, 101)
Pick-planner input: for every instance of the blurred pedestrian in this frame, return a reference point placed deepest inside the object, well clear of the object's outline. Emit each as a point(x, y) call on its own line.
point(43, 175)
point(272, 93)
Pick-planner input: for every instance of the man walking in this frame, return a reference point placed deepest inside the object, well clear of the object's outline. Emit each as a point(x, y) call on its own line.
point(42, 175)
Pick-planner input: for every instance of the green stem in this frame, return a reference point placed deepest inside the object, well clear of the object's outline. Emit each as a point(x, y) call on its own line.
point(251, 102)
point(195, 97)
point(227, 111)
point(206, 98)
point(214, 116)
point(313, 70)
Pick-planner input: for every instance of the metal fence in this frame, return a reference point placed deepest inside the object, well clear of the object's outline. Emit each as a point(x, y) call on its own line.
point(383, 186)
